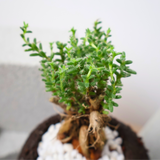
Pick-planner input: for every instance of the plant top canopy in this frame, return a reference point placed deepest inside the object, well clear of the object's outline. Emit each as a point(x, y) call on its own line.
point(87, 71)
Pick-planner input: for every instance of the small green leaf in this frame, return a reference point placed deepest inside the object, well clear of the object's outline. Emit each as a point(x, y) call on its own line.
point(40, 46)
point(70, 63)
point(108, 31)
point(92, 93)
point(49, 83)
point(68, 108)
point(35, 41)
point(44, 80)
point(118, 89)
point(105, 106)
point(110, 106)
point(34, 54)
point(105, 112)
point(72, 71)
point(118, 97)
point(81, 110)
point(119, 61)
point(101, 68)
point(128, 62)
point(27, 50)
point(24, 45)
point(130, 71)
point(92, 76)
point(49, 90)
point(114, 104)
point(110, 87)
point(28, 40)
point(86, 84)
point(52, 55)
point(22, 29)
point(22, 35)
point(44, 61)
point(42, 54)
point(28, 31)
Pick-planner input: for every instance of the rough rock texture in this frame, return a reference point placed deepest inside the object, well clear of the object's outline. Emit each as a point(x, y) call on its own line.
point(132, 145)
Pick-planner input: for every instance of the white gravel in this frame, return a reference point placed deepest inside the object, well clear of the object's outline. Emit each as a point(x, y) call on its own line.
point(52, 149)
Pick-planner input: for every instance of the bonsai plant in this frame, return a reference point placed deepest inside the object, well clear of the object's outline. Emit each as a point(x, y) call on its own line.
point(84, 77)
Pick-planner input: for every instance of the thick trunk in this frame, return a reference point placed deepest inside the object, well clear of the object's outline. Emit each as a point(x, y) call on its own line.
point(88, 129)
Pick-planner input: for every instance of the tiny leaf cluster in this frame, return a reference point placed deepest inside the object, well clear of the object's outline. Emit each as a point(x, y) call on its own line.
point(82, 68)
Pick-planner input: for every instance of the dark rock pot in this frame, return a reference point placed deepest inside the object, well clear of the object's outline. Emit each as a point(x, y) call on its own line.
point(132, 146)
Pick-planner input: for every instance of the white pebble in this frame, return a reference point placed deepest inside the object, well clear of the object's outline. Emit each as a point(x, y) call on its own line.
point(84, 158)
point(53, 149)
point(118, 140)
point(48, 137)
point(74, 153)
point(105, 157)
point(45, 136)
point(67, 156)
point(105, 151)
point(114, 154)
point(39, 158)
point(41, 152)
point(119, 149)
point(57, 126)
point(112, 144)
point(55, 156)
point(110, 136)
point(67, 147)
point(59, 147)
point(51, 129)
point(112, 158)
point(79, 156)
point(120, 157)
point(107, 130)
point(60, 157)
point(48, 158)
point(115, 133)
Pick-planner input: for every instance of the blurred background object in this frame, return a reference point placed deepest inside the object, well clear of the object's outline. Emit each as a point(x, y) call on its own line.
point(23, 100)
point(151, 135)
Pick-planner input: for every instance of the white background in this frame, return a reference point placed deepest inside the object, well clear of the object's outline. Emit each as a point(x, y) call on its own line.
point(135, 26)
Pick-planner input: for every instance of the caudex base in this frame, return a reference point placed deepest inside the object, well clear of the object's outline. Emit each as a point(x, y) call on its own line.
point(85, 131)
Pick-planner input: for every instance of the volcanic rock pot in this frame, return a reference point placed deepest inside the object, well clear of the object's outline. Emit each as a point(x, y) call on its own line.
point(132, 146)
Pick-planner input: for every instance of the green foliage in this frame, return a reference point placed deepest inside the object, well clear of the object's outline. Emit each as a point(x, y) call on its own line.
point(90, 68)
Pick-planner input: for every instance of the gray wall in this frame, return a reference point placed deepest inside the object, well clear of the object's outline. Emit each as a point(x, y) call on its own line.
point(23, 100)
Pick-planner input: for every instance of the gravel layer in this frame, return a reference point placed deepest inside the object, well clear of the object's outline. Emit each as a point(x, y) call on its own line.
point(52, 149)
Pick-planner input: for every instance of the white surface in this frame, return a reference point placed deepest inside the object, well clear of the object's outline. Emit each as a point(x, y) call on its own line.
point(51, 148)
point(11, 142)
point(151, 136)
point(135, 28)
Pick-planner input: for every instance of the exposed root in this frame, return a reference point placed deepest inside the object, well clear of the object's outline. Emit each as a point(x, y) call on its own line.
point(64, 130)
point(55, 100)
point(95, 130)
point(95, 103)
point(96, 122)
point(80, 116)
point(83, 140)
point(89, 129)
point(67, 139)
point(61, 114)
point(115, 127)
